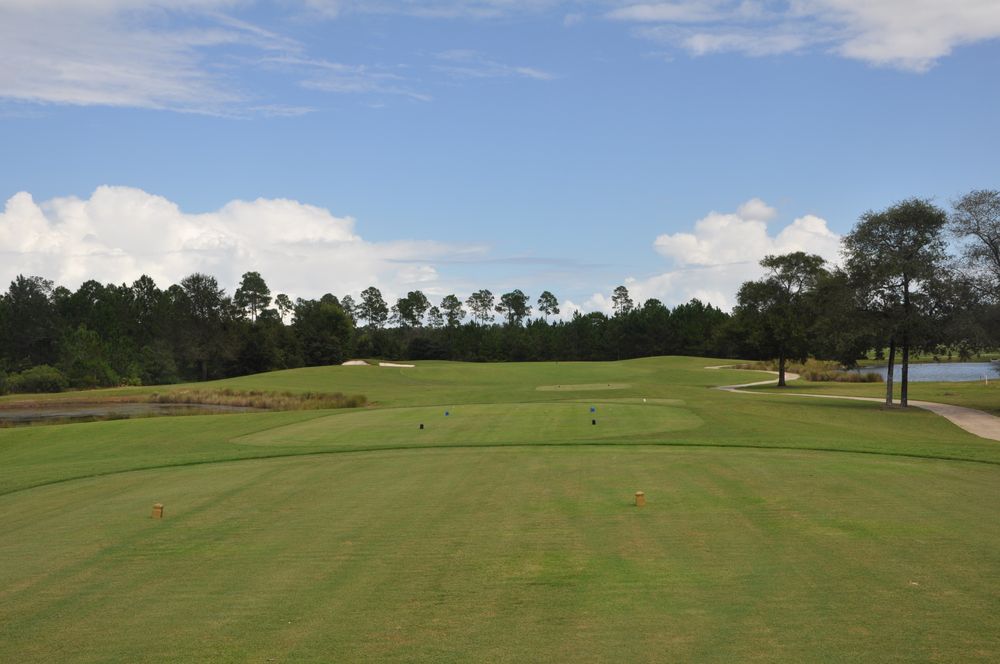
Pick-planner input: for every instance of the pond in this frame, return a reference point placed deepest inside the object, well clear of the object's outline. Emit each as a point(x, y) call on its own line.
point(66, 412)
point(946, 372)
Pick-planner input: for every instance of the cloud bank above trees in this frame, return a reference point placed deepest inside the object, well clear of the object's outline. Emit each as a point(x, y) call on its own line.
point(120, 233)
point(721, 252)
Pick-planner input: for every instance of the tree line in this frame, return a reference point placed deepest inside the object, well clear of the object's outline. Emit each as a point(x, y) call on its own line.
point(130, 334)
point(913, 278)
point(898, 289)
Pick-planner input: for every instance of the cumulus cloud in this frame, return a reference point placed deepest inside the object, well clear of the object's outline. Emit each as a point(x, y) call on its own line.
point(907, 34)
point(721, 252)
point(911, 34)
point(567, 308)
point(120, 233)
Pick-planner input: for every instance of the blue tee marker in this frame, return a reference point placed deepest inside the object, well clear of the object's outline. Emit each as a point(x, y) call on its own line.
point(446, 413)
point(593, 409)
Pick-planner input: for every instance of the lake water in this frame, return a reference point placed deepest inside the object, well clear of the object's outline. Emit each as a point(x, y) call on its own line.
point(59, 413)
point(946, 372)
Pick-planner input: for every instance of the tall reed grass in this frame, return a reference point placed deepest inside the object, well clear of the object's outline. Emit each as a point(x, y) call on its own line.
point(819, 371)
point(263, 400)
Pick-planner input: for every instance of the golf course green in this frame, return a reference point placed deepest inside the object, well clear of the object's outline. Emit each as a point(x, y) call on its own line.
point(485, 513)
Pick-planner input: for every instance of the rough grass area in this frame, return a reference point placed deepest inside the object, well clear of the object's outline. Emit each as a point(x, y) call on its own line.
point(776, 529)
point(260, 399)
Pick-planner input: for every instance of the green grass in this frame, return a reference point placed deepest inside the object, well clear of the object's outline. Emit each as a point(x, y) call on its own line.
point(776, 529)
point(971, 394)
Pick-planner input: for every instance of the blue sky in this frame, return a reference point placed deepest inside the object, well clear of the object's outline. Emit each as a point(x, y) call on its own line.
point(449, 146)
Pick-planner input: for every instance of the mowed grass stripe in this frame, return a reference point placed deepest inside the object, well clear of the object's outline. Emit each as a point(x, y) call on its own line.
point(468, 425)
point(511, 555)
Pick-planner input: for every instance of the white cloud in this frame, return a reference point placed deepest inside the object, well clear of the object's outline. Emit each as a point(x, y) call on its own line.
point(756, 210)
point(114, 53)
point(448, 9)
point(747, 43)
point(199, 56)
point(721, 252)
point(120, 233)
point(674, 12)
point(567, 308)
point(907, 34)
point(337, 77)
point(599, 302)
point(464, 63)
point(911, 34)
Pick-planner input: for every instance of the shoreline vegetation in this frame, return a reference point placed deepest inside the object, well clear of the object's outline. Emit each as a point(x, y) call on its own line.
point(225, 397)
point(816, 371)
point(261, 399)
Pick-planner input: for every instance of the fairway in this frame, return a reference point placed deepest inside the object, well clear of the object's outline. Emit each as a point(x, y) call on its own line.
point(776, 529)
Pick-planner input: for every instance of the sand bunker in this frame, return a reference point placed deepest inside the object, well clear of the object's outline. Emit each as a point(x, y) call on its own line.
point(355, 363)
point(393, 364)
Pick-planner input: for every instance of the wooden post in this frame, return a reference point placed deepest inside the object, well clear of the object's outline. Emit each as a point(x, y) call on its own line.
point(640, 498)
point(158, 511)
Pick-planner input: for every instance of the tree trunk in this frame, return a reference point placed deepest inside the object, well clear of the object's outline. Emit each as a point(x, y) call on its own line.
point(905, 377)
point(905, 374)
point(781, 370)
point(889, 371)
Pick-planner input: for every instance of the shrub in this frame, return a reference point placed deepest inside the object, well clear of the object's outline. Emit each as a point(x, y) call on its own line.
point(42, 378)
point(85, 360)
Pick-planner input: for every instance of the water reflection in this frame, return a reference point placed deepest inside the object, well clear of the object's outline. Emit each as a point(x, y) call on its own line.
point(945, 372)
point(60, 413)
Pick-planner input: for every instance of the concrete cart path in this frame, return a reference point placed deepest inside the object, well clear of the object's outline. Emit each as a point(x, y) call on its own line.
point(974, 421)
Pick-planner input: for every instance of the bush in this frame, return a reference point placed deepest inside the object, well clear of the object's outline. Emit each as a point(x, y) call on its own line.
point(42, 378)
point(88, 373)
point(85, 360)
